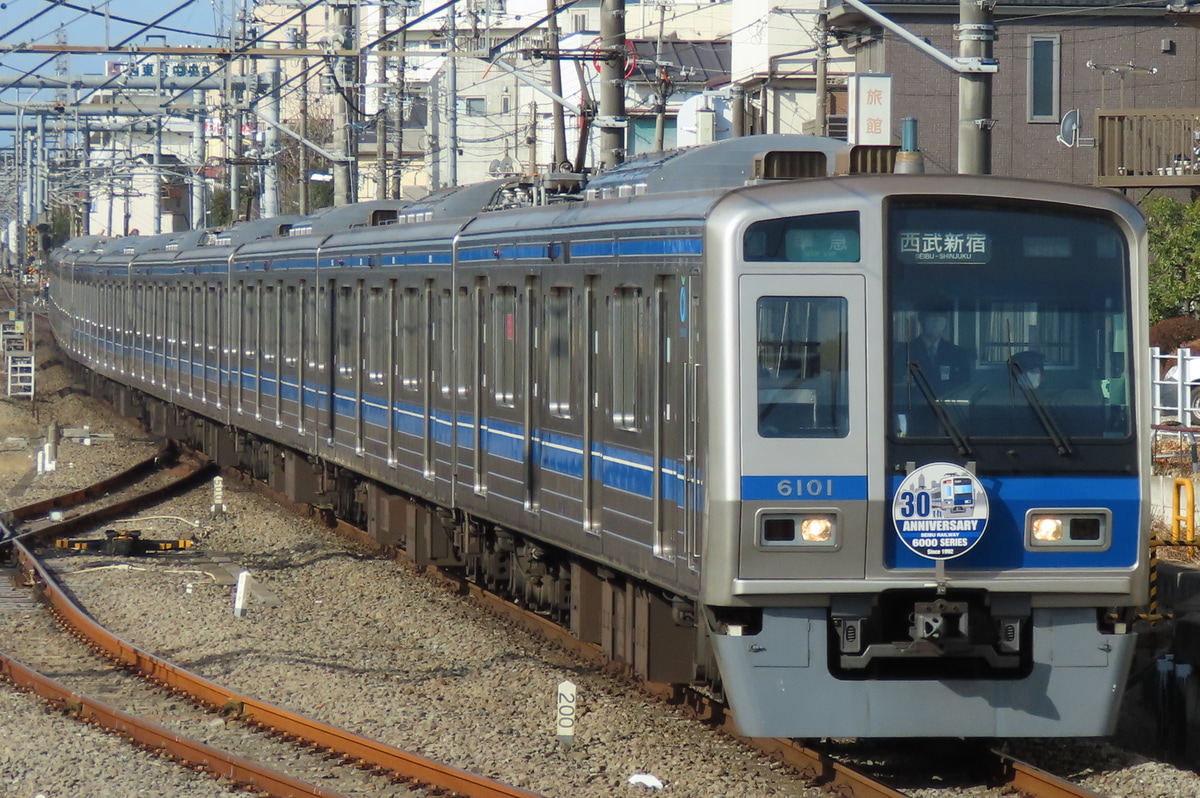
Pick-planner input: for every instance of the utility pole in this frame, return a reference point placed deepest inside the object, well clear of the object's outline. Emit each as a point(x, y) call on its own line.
point(452, 95)
point(611, 120)
point(822, 111)
point(975, 36)
point(343, 188)
point(41, 172)
point(974, 66)
point(398, 187)
point(198, 153)
point(381, 113)
point(556, 109)
point(270, 151)
point(303, 149)
point(156, 178)
point(663, 89)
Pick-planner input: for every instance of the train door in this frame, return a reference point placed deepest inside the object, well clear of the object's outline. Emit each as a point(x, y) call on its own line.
point(271, 357)
point(802, 350)
point(240, 324)
point(529, 392)
point(290, 356)
point(478, 386)
point(468, 478)
point(671, 419)
point(212, 344)
point(326, 346)
point(428, 376)
point(158, 373)
point(693, 409)
point(442, 377)
point(593, 470)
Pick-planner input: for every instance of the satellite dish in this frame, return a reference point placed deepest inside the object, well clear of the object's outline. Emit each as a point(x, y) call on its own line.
point(1068, 129)
point(506, 165)
point(494, 167)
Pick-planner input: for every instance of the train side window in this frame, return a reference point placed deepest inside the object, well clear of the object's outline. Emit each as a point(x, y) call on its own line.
point(445, 341)
point(250, 315)
point(803, 381)
point(411, 330)
point(820, 238)
point(269, 339)
point(504, 344)
point(346, 324)
point(377, 341)
point(626, 362)
point(290, 327)
point(314, 297)
point(464, 356)
point(558, 338)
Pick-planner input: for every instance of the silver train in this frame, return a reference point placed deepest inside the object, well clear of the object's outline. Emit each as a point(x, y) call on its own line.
point(859, 450)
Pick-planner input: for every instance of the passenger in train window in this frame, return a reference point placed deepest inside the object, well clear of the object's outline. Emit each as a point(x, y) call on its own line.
point(944, 364)
point(1028, 367)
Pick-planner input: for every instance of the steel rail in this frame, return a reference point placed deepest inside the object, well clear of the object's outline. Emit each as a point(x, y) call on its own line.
point(188, 752)
point(814, 766)
point(194, 466)
point(360, 751)
point(1036, 783)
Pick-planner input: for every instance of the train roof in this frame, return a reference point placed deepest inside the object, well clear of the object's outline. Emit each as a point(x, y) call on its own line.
point(83, 244)
point(373, 213)
point(242, 232)
point(721, 164)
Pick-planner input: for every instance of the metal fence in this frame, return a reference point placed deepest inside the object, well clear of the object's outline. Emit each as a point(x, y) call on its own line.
point(1175, 387)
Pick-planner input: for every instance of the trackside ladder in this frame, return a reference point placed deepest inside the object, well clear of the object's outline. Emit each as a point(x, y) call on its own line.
point(20, 373)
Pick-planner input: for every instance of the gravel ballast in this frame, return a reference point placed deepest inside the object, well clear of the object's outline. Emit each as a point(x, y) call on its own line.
point(369, 645)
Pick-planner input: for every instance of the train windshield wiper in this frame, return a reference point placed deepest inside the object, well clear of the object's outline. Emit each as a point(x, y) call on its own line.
point(939, 408)
point(1060, 441)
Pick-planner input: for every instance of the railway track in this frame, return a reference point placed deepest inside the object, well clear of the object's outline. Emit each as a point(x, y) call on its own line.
point(167, 472)
point(283, 733)
point(1003, 773)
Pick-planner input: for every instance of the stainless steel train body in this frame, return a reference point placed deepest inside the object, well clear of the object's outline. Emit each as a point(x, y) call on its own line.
point(714, 395)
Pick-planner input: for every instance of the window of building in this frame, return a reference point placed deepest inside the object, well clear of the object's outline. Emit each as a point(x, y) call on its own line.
point(474, 106)
point(1043, 78)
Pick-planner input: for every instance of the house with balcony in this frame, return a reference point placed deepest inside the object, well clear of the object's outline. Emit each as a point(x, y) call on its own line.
point(1096, 92)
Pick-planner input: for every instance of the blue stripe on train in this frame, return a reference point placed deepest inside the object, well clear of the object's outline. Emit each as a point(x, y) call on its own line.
point(1002, 546)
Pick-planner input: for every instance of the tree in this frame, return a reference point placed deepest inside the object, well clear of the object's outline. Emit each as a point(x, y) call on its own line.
point(1174, 229)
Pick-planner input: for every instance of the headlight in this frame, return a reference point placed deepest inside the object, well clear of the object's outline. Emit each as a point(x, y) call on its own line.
point(1068, 529)
point(816, 530)
point(777, 529)
point(1047, 529)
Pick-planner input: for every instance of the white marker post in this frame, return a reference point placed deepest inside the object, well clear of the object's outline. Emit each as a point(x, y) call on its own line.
point(240, 595)
point(218, 502)
point(564, 718)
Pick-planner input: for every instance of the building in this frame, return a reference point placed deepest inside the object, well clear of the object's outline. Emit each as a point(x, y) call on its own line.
point(1101, 59)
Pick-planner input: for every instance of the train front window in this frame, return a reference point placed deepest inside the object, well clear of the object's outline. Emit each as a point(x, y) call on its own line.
point(1007, 324)
point(802, 377)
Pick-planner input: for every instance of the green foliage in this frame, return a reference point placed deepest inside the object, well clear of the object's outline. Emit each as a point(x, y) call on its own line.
point(321, 195)
point(1174, 229)
point(219, 213)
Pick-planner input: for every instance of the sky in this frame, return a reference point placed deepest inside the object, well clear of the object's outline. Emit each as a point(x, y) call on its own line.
point(84, 22)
